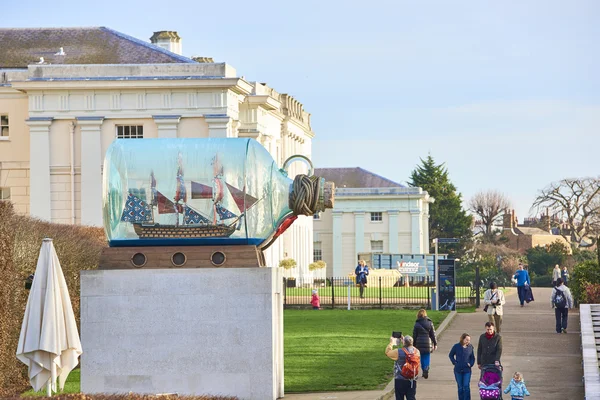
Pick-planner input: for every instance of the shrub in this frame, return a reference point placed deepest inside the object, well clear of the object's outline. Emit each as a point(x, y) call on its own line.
point(78, 248)
point(541, 260)
point(542, 281)
point(592, 293)
point(287, 263)
point(583, 274)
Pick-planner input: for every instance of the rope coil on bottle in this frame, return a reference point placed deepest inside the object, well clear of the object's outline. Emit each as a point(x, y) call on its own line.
point(304, 199)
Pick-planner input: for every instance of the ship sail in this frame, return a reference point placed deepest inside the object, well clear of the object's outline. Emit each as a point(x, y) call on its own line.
point(165, 206)
point(200, 191)
point(181, 193)
point(243, 200)
point(223, 212)
point(191, 216)
point(136, 210)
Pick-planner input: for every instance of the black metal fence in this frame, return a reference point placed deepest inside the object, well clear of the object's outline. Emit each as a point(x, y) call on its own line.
point(380, 292)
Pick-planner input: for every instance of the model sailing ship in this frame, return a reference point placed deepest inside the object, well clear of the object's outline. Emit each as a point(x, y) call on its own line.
point(195, 224)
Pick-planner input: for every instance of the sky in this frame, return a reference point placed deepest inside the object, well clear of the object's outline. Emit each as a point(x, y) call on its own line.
point(505, 94)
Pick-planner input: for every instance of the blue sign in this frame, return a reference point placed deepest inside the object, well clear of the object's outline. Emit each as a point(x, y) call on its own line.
point(447, 240)
point(446, 285)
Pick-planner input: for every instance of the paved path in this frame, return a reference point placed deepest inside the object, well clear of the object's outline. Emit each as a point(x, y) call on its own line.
point(551, 363)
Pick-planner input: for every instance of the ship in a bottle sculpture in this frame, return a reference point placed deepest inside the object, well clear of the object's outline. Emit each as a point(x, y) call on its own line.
point(203, 192)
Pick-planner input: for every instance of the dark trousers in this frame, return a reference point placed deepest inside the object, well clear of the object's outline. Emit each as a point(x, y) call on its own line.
point(463, 381)
point(405, 388)
point(362, 289)
point(521, 292)
point(562, 315)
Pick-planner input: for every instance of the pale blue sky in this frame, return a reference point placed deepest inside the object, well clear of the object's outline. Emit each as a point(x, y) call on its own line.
point(507, 94)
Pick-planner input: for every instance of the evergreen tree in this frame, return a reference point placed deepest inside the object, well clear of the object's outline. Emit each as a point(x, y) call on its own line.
point(446, 215)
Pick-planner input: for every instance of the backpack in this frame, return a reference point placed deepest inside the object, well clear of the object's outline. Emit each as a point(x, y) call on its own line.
point(560, 301)
point(410, 369)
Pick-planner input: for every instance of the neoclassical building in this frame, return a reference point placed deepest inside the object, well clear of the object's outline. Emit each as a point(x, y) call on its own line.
point(371, 214)
point(66, 94)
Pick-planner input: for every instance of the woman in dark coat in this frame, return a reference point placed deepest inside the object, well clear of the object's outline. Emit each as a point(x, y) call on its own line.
point(424, 339)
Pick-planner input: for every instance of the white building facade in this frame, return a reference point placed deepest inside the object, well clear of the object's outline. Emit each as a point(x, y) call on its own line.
point(386, 219)
point(62, 118)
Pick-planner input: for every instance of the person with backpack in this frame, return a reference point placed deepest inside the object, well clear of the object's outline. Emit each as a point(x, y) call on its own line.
point(406, 366)
point(425, 339)
point(561, 301)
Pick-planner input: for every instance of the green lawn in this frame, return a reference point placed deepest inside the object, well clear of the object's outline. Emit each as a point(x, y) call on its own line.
point(330, 350)
point(71, 386)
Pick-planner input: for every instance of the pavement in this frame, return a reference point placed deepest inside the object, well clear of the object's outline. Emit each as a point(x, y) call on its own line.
point(551, 363)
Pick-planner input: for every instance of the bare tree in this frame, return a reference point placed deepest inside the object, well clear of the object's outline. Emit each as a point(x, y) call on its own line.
point(489, 207)
point(577, 203)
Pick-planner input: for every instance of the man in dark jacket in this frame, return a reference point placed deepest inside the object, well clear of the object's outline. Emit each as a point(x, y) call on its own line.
point(489, 349)
point(425, 340)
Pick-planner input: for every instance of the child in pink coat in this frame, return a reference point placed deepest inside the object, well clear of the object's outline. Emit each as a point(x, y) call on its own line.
point(315, 301)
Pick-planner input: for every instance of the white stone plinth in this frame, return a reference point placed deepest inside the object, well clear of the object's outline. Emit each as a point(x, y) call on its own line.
point(187, 331)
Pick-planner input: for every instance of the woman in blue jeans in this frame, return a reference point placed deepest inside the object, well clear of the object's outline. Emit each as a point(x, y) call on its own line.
point(462, 357)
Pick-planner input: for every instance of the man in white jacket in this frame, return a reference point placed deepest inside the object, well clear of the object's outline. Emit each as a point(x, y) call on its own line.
point(493, 298)
point(561, 301)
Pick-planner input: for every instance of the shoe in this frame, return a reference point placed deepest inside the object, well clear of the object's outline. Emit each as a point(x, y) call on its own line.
point(564, 330)
point(425, 373)
point(522, 305)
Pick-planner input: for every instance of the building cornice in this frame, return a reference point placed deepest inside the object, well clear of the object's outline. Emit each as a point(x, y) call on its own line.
point(237, 85)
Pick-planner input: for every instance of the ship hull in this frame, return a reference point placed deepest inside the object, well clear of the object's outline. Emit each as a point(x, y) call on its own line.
point(158, 231)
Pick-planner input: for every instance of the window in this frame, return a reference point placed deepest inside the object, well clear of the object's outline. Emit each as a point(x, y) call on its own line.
point(4, 193)
point(317, 252)
point(376, 217)
point(377, 246)
point(3, 126)
point(130, 132)
point(317, 216)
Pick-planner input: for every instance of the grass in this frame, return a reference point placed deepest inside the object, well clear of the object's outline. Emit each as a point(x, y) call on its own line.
point(71, 386)
point(329, 350)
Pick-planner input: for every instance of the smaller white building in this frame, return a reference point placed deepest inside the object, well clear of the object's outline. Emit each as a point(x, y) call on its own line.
point(371, 214)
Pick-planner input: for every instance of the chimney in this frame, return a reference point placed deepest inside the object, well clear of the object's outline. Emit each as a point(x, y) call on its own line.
point(507, 220)
point(168, 40)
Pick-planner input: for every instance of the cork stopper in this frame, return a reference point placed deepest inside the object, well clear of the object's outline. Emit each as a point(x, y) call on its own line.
point(328, 194)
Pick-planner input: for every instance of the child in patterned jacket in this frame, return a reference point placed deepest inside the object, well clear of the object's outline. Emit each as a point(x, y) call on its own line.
point(517, 387)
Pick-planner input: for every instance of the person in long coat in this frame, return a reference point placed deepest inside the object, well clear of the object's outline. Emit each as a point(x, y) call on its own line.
point(424, 339)
point(361, 271)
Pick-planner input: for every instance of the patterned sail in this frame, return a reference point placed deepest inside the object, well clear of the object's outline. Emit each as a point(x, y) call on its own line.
point(136, 210)
point(223, 212)
point(191, 216)
point(165, 206)
point(200, 191)
point(243, 200)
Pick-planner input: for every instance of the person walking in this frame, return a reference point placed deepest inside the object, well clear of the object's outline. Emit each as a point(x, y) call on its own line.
point(406, 367)
point(561, 301)
point(463, 358)
point(555, 274)
point(361, 271)
point(425, 339)
point(522, 278)
point(517, 387)
point(493, 298)
point(489, 348)
point(564, 274)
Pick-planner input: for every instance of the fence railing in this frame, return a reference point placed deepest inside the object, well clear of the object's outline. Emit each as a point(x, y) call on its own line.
point(380, 292)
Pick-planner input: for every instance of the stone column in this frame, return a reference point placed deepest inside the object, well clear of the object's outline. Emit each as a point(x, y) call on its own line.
point(39, 168)
point(393, 231)
point(91, 170)
point(337, 244)
point(359, 232)
point(219, 125)
point(167, 125)
point(416, 232)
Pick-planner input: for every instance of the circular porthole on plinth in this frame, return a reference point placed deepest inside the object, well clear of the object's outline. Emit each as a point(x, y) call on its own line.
point(178, 259)
point(217, 258)
point(138, 260)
